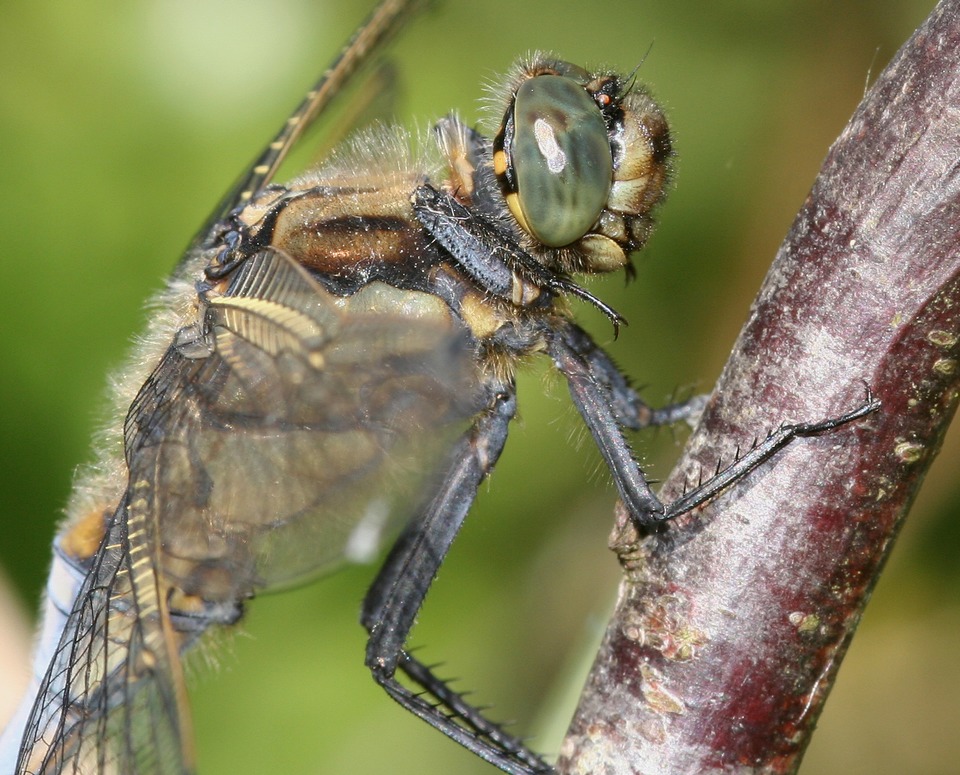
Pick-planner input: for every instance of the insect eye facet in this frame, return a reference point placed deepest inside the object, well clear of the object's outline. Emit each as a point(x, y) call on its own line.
point(561, 160)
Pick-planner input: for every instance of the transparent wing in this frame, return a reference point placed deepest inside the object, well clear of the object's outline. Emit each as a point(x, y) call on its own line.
point(290, 424)
point(112, 699)
point(246, 465)
point(278, 435)
point(384, 22)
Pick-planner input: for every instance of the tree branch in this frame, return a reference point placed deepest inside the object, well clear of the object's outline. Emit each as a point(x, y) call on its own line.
point(732, 622)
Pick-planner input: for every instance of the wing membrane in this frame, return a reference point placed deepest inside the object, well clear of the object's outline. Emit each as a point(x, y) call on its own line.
point(282, 428)
point(112, 699)
point(258, 451)
point(308, 416)
point(370, 37)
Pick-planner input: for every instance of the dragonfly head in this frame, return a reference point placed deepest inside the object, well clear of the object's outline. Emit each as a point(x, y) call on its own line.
point(581, 160)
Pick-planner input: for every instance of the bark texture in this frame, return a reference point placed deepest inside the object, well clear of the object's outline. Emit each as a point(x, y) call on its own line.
point(732, 622)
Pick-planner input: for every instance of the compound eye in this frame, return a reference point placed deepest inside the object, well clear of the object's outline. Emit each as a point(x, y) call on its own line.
point(561, 160)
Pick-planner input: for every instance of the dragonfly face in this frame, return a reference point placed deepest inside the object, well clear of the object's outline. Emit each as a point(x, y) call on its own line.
point(336, 357)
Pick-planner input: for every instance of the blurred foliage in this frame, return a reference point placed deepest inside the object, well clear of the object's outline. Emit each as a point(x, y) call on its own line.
point(120, 126)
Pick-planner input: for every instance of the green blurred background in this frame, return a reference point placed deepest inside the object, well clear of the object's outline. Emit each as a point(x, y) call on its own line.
point(120, 126)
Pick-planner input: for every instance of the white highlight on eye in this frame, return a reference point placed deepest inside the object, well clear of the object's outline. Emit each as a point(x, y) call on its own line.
point(549, 147)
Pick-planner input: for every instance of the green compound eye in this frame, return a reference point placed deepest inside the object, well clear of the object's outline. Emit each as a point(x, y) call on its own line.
point(561, 158)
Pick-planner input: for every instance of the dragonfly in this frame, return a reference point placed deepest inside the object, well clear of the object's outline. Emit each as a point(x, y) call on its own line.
point(333, 363)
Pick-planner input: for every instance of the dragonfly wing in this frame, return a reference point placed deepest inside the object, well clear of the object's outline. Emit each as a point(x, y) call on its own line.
point(112, 699)
point(277, 435)
point(291, 424)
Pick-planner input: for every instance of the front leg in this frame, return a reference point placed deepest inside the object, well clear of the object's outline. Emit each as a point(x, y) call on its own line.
point(630, 410)
point(492, 258)
point(593, 392)
point(599, 396)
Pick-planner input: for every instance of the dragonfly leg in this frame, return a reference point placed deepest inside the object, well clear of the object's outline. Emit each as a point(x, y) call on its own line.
point(593, 395)
point(493, 259)
point(397, 594)
point(490, 255)
point(604, 401)
point(774, 441)
point(630, 410)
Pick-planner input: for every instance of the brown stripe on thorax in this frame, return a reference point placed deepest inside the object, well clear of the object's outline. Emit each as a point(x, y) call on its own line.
point(334, 229)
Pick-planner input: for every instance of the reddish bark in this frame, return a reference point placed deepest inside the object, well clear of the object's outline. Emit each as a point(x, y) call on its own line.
point(732, 622)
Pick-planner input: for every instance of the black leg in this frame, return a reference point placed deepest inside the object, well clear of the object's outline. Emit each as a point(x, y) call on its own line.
point(598, 394)
point(498, 264)
point(774, 442)
point(395, 598)
point(492, 257)
point(630, 410)
point(593, 395)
